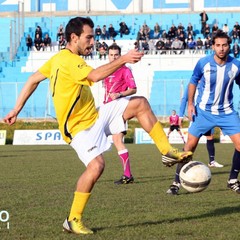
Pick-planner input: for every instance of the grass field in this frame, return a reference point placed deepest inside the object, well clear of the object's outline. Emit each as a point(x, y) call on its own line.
point(37, 184)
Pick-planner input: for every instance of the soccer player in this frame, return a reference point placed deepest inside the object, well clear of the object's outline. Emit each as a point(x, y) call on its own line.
point(174, 124)
point(214, 75)
point(119, 84)
point(81, 124)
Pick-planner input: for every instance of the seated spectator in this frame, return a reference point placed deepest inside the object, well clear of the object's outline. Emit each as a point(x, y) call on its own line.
point(164, 34)
point(111, 32)
point(145, 46)
point(235, 50)
point(208, 43)
point(38, 31)
point(140, 35)
point(225, 28)
point(103, 51)
point(177, 45)
point(123, 29)
point(156, 31)
point(160, 46)
point(146, 31)
point(29, 42)
point(190, 29)
point(104, 35)
point(199, 44)
point(47, 42)
point(98, 32)
point(172, 32)
point(237, 26)
point(206, 32)
point(234, 34)
point(191, 44)
point(97, 46)
point(38, 42)
point(168, 44)
point(61, 42)
point(182, 39)
point(60, 32)
point(151, 45)
point(214, 28)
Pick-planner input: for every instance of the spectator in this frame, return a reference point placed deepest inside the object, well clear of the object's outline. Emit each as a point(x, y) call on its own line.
point(172, 32)
point(97, 46)
point(199, 44)
point(47, 41)
point(235, 50)
point(29, 42)
point(111, 32)
point(160, 47)
point(164, 34)
point(140, 35)
point(145, 46)
point(60, 32)
point(182, 39)
point(190, 29)
point(204, 19)
point(61, 42)
point(225, 28)
point(38, 42)
point(237, 26)
point(191, 45)
point(38, 31)
point(156, 31)
point(208, 43)
point(206, 31)
point(168, 44)
point(98, 32)
point(177, 45)
point(151, 45)
point(234, 34)
point(123, 29)
point(146, 31)
point(104, 35)
point(102, 52)
point(214, 28)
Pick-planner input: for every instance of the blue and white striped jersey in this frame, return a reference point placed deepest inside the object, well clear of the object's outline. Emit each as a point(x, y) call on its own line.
point(216, 84)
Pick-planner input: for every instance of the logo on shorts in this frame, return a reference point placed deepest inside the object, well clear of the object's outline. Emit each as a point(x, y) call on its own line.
point(89, 150)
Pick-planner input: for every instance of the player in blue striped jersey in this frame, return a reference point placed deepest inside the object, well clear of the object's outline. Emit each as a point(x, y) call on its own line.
point(214, 75)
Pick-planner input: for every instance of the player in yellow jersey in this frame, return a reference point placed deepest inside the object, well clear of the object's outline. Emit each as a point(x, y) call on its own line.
point(83, 126)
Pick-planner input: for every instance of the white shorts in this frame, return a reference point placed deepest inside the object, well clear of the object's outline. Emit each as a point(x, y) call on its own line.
point(93, 141)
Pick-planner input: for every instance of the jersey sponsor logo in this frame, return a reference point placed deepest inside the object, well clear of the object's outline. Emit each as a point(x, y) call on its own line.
point(92, 148)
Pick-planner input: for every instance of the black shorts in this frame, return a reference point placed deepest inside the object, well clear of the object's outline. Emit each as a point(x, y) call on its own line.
point(174, 127)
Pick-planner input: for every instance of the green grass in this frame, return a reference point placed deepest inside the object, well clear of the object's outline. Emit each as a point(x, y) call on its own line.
point(37, 184)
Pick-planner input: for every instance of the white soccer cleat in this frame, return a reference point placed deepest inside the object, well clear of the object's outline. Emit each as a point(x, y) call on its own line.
point(215, 164)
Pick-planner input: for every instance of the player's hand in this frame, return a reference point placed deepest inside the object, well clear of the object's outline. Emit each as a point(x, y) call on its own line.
point(133, 56)
point(191, 112)
point(114, 96)
point(11, 117)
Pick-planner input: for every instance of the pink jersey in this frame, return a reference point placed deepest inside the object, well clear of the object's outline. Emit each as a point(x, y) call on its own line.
point(119, 81)
point(174, 120)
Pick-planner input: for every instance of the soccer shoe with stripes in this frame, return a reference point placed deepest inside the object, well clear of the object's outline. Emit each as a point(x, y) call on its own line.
point(76, 226)
point(235, 187)
point(174, 156)
point(124, 180)
point(174, 188)
point(215, 164)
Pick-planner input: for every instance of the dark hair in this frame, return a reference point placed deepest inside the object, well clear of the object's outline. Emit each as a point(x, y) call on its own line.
point(115, 47)
point(221, 34)
point(75, 25)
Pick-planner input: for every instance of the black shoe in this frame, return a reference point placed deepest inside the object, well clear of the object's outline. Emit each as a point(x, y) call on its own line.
point(173, 189)
point(235, 187)
point(124, 180)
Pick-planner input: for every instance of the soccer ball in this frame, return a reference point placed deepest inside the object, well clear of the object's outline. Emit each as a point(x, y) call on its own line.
point(195, 176)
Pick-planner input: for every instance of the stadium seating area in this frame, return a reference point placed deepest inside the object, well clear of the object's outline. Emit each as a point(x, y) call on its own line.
point(25, 62)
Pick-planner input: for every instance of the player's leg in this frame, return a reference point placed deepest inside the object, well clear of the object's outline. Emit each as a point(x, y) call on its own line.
point(190, 145)
point(180, 133)
point(139, 107)
point(124, 158)
point(233, 182)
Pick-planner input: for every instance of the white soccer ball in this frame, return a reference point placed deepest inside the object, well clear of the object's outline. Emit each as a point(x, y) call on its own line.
point(195, 176)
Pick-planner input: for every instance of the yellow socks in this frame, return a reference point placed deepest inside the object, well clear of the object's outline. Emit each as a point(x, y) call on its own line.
point(159, 137)
point(79, 202)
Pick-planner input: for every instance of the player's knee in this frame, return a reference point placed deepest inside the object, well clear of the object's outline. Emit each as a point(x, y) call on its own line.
point(96, 167)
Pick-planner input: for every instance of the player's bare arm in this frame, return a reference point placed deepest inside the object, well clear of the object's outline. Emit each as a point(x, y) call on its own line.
point(133, 56)
point(191, 105)
point(126, 93)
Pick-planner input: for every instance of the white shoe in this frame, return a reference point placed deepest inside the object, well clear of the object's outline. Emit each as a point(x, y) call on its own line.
point(215, 164)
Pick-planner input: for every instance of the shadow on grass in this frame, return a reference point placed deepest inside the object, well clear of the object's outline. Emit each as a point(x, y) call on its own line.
point(216, 213)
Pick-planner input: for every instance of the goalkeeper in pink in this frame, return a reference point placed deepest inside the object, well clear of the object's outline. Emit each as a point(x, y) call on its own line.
point(120, 84)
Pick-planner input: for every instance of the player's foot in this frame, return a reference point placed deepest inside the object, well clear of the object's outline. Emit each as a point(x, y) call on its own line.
point(124, 180)
point(234, 186)
point(76, 226)
point(174, 188)
point(215, 164)
point(174, 156)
